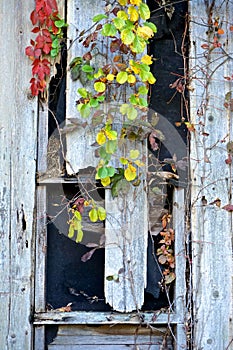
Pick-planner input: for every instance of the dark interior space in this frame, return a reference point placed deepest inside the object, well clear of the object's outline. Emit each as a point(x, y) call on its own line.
point(69, 280)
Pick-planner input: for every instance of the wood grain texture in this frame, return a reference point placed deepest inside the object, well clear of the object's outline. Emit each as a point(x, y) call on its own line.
point(117, 337)
point(211, 178)
point(18, 118)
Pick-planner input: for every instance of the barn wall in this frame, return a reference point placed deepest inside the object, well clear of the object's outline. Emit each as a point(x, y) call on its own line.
point(18, 131)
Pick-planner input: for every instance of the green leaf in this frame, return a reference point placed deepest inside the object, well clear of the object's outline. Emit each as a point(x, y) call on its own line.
point(54, 52)
point(99, 17)
point(142, 90)
point(94, 102)
point(55, 43)
point(102, 172)
point(93, 215)
point(104, 155)
point(127, 36)
point(138, 45)
point(101, 213)
point(133, 100)
point(143, 102)
point(84, 110)
point(124, 108)
point(144, 75)
point(132, 113)
point(109, 30)
point(99, 86)
point(87, 68)
point(100, 98)
point(111, 171)
point(119, 23)
point(124, 161)
point(144, 11)
point(82, 92)
point(151, 26)
point(122, 77)
point(79, 236)
point(111, 146)
point(61, 23)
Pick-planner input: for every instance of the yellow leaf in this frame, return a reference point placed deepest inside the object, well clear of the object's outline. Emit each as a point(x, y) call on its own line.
point(139, 163)
point(147, 59)
point(134, 66)
point(99, 86)
point(133, 14)
point(134, 153)
point(122, 77)
point(135, 2)
point(101, 138)
point(151, 79)
point(131, 79)
point(106, 181)
point(110, 77)
point(130, 173)
point(93, 215)
point(122, 2)
point(127, 36)
point(111, 134)
point(145, 32)
point(122, 15)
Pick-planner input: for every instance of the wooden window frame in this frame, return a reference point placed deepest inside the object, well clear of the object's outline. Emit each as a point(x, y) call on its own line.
point(42, 319)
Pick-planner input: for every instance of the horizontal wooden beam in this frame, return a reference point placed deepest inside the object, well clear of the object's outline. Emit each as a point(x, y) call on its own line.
point(76, 317)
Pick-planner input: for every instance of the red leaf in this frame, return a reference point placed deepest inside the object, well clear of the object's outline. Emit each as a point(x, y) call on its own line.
point(205, 46)
point(79, 203)
point(35, 30)
point(228, 207)
point(34, 17)
point(228, 160)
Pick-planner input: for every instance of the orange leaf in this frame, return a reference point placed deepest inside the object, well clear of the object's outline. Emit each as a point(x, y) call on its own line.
point(220, 31)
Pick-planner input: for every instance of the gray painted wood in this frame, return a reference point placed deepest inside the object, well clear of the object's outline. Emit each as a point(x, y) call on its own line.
point(18, 131)
point(211, 179)
point(104, 318)
point(126, 224)
point(178, 214)
point(118, 337)
point(80, 153)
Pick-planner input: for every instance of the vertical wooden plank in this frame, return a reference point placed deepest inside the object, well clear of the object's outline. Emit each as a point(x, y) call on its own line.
point(126, 224)
point(178, 215)
point(126, 249)
point(19, 130)
point(211, 176)
point(79, 16)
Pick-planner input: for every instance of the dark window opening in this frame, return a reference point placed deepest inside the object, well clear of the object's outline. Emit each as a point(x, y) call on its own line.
point(69, 280)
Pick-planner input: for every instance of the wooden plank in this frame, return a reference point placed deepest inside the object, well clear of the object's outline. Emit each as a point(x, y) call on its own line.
point(79, 15)
point(104, 318)
point(211, 225)
point(118, 336)
point(106, 347)
point(178, 214)
point(19, 122)
point(126, 234)
point(126, 224)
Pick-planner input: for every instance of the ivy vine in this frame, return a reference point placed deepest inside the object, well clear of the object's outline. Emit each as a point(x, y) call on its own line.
point(128, 30)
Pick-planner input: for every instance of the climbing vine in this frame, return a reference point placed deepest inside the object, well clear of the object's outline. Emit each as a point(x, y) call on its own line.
point(49, 27)
point(128, 30)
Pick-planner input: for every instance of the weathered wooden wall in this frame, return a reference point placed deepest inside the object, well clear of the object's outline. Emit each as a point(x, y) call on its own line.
point(210, 175)
point(18, 131)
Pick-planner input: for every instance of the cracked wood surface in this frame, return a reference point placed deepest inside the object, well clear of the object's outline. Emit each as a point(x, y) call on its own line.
point(211, 177)
point(18, 132)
